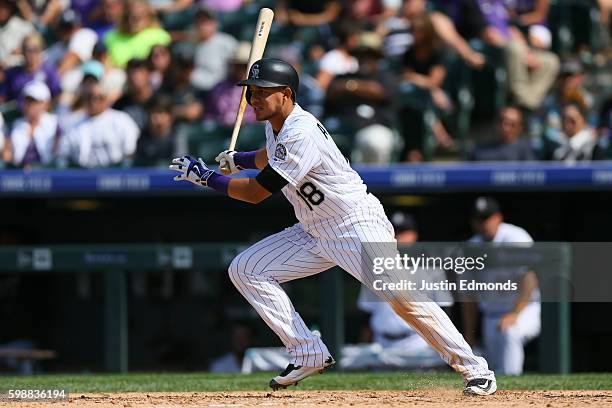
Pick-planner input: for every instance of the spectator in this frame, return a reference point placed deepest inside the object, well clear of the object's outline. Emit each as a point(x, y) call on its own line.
point(222, 102)
point(13, 30)
point(33, 68)
point(159, 62)
point(399, 38)
point(104, 137)
point(158, 141)
point(213, 51)
point(365, 100)
point(339, 61)
point(41, 13)
point(569, 89)
point(231, 362)
point(509, 146)
point(424, 69)
point(34, 137)
point(89, 11)
point(138, 93)
point(100, 68)
point(528, 13)
point(185, 101)
point(110, 17)
point(367, 12)
point(579, 141)
point(309, 95)
point(604, 121)
point(222, 6)
point(509, 319)
point(137, 32)
point(2, 138)
point(75, 45)
point(311, 13)
point(531, 70)
point(169, 6)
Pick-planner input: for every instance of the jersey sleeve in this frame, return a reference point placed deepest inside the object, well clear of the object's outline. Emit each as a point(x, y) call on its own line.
point(293, 157)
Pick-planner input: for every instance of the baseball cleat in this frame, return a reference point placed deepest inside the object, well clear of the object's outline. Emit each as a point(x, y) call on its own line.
point(480, 386)
point(293, 374)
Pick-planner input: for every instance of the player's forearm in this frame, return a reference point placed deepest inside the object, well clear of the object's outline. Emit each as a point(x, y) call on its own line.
point(261, 159)
point(248, 190)
point(528, 284)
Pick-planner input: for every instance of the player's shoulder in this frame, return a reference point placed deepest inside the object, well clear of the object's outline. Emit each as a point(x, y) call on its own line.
point(299, 124)
point(513, 233)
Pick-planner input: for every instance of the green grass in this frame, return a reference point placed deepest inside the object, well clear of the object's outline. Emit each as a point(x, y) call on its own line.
point(176, 382)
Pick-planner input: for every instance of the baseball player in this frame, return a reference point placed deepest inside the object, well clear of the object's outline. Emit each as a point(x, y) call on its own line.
point(339, 223)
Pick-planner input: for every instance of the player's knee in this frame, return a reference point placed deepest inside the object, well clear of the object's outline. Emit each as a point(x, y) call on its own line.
point(236, 270)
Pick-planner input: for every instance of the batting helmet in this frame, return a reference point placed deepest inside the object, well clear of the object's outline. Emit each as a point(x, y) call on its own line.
point(269, 73)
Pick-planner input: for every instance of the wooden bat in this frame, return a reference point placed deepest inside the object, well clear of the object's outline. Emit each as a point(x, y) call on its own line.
point(260, 38)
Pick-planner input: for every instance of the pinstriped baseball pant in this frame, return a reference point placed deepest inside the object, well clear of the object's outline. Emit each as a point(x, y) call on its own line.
point(294, 253)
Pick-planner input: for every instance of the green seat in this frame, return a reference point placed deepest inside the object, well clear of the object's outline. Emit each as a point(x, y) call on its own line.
point(205, 140)
point(251, 137)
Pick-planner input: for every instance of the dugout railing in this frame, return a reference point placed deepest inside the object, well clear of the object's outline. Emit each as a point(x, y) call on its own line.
point(116, 261)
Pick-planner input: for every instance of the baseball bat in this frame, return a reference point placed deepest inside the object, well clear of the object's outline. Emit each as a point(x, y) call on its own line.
point(258, 45)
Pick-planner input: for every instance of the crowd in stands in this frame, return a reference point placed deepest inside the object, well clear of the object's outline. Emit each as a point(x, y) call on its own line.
point(103, 83)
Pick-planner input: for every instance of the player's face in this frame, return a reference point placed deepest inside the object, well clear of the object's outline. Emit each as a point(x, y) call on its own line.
point(267, 102)
point(487, 227)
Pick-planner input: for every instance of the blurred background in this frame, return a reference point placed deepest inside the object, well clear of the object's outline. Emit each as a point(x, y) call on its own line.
point(106, 264)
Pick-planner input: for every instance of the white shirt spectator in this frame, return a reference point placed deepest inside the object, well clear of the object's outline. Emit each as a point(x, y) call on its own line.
point(44, 136)
point(81, 43)
point(337, 63)
point(99, 141)
point(211, 59)
point(11, 37)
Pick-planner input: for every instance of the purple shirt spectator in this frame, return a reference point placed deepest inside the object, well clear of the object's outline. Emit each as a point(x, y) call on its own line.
point(222, 5)
point(222, 105)
point(17, 77)
point(495, 15)
point(84, 8)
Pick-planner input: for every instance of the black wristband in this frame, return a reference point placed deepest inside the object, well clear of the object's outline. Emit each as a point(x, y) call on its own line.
point(269, 179)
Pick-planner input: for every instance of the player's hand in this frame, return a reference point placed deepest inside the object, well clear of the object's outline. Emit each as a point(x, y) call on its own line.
point(226, 162)
point(191, 170)
point(506, 321)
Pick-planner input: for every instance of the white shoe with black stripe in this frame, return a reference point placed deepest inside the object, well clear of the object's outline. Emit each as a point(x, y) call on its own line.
point(480, 386)
point(293, 374)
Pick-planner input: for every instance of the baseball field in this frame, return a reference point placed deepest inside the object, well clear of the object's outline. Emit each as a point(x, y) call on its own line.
point(331, 389)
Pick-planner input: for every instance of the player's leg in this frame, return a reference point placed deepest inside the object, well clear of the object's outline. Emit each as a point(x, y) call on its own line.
point(258, 272)
point(371, 236)
point(512, 351)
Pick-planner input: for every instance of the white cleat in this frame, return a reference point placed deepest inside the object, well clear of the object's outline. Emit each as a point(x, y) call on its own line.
point(480, 386)
point(293, 374)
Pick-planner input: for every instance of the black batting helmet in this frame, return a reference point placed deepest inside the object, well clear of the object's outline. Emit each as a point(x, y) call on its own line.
point(269, 73)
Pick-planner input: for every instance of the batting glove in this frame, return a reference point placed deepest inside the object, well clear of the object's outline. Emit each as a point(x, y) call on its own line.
point(227, 165)
point(191, 170)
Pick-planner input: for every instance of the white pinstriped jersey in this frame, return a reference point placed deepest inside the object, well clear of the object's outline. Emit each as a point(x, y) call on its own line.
point(322, 185)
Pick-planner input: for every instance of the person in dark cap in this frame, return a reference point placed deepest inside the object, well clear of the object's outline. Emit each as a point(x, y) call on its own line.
point(138, 93)
point(75, 45)
point(510, 321)
point(177, 85)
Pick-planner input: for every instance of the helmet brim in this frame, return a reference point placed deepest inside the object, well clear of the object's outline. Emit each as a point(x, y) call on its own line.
point(259, 82)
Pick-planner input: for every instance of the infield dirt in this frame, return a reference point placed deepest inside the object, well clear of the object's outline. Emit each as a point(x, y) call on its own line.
point(337, 399)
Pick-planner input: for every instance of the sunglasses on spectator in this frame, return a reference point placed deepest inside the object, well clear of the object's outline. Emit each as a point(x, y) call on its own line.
point(94, 97)
point(29, 50)
point(509, 122)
